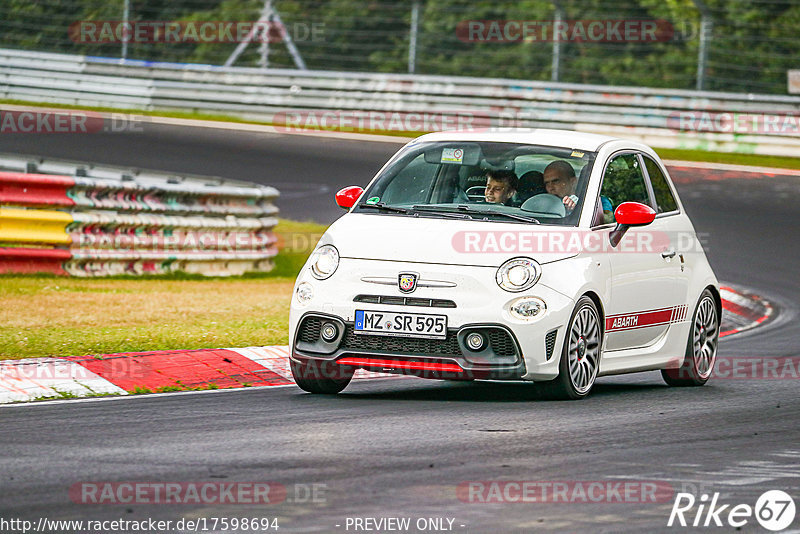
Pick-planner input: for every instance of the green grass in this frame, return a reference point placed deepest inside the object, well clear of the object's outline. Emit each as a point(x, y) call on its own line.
point(735, 158)
point(296, 241)
point(46, 315)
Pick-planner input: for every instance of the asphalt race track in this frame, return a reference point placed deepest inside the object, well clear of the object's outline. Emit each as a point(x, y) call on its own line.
point(403, 447)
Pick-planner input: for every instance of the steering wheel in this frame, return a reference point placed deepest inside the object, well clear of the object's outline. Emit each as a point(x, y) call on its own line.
point(476, 193)
point(545, 204)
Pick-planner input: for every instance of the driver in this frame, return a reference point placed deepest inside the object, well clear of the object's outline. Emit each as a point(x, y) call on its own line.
point(560, 180)
point(500, 186)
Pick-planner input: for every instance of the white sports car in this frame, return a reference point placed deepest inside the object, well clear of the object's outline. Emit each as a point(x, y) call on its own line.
point(547, 256)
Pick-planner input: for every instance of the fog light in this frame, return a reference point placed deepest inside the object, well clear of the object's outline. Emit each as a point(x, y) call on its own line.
point(329, 332)
point(475, 341)
point(528, 308)
point(304, 293)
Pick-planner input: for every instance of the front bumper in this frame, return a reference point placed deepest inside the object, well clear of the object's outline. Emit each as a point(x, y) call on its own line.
point(500, 358)
point(479, 305)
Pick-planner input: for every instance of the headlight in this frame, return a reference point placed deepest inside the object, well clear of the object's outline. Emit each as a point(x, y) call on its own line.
point(518, 274)
point(324, 262)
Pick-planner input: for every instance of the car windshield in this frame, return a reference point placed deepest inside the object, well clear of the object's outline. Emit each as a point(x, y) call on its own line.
point(485, 181)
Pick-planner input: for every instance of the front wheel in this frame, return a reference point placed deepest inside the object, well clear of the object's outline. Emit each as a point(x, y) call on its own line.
point(701, 347)
point(325, 378)
point(580, 355)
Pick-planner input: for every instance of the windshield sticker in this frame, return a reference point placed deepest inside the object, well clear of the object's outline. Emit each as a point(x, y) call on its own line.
point(453, 155)
point(373, 200)
point(576, 154)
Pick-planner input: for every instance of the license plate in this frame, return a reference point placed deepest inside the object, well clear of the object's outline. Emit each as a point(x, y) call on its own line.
point(401, 324)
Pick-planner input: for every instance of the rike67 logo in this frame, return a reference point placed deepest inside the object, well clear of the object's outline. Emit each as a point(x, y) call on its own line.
point(774, 510)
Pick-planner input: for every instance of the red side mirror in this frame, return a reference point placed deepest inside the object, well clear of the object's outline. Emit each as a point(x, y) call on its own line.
point(634, 214)
point(347, 197)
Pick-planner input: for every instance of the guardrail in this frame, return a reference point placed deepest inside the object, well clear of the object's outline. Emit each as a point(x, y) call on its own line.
point(653, 116)
point(85, 220)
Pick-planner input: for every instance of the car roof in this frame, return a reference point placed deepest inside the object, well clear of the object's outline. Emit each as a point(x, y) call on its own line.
point(536, 136)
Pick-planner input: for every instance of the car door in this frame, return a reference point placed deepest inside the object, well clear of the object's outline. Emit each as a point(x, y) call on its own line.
point(644, 286)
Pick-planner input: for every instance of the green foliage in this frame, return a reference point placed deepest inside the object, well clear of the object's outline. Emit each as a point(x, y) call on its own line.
point(623, 181)
point(752, 43)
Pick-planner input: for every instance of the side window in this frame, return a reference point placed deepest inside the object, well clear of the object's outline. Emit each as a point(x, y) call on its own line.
point(666, 202)
point(412, 184)
point(622, 182)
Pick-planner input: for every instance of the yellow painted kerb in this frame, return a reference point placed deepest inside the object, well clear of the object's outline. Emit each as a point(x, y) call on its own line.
point(34, 226)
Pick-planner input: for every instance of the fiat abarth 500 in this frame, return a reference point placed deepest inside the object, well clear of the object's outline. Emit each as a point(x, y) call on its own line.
point(547, 256)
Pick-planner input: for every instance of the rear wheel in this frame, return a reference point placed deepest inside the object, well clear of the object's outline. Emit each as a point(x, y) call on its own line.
point(701, 347)
point(325, 378)
point(580, 355)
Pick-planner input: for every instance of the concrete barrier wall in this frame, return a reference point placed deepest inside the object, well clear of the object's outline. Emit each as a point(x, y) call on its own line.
point(728, 122)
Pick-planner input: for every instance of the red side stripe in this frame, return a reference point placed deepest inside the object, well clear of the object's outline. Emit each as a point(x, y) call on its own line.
point(639, 320)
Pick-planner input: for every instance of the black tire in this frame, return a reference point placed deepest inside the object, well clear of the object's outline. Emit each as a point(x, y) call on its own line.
point(580, 355)
point(325, 378)
point(701, 347)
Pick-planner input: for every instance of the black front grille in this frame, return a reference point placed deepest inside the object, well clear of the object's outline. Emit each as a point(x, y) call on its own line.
point(550, 343)
point(405, 301)
point(309, 329)
point(401, 345)
point(501, 342)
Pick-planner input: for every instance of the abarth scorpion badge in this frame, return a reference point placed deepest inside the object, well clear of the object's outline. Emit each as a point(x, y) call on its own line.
point(407, 282)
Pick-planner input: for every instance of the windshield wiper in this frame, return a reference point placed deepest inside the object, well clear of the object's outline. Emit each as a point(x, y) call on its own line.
point(508, 215)
point(461, 208)
point(406, 211)
point(440, 211)
point(382, 206)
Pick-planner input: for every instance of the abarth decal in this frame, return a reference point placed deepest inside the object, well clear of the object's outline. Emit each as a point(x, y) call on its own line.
point(643, 319)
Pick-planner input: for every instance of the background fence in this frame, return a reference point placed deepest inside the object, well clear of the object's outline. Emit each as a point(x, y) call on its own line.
point(717, 45)
point(666, 118)
point(84, 220)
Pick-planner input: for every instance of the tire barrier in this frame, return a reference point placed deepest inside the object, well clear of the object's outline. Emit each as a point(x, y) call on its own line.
point(83, 220)
point(349, 101)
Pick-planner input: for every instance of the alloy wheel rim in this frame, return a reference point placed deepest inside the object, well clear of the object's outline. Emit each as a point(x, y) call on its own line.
point(583, 353)
point(704, 338)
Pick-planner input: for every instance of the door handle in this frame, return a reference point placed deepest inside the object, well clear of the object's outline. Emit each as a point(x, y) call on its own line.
point(668, 254)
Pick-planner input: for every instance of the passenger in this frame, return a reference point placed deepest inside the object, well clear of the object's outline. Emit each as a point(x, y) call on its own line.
point(501, 186)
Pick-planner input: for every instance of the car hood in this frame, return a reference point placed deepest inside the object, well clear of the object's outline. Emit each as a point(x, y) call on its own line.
point(443, 241)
